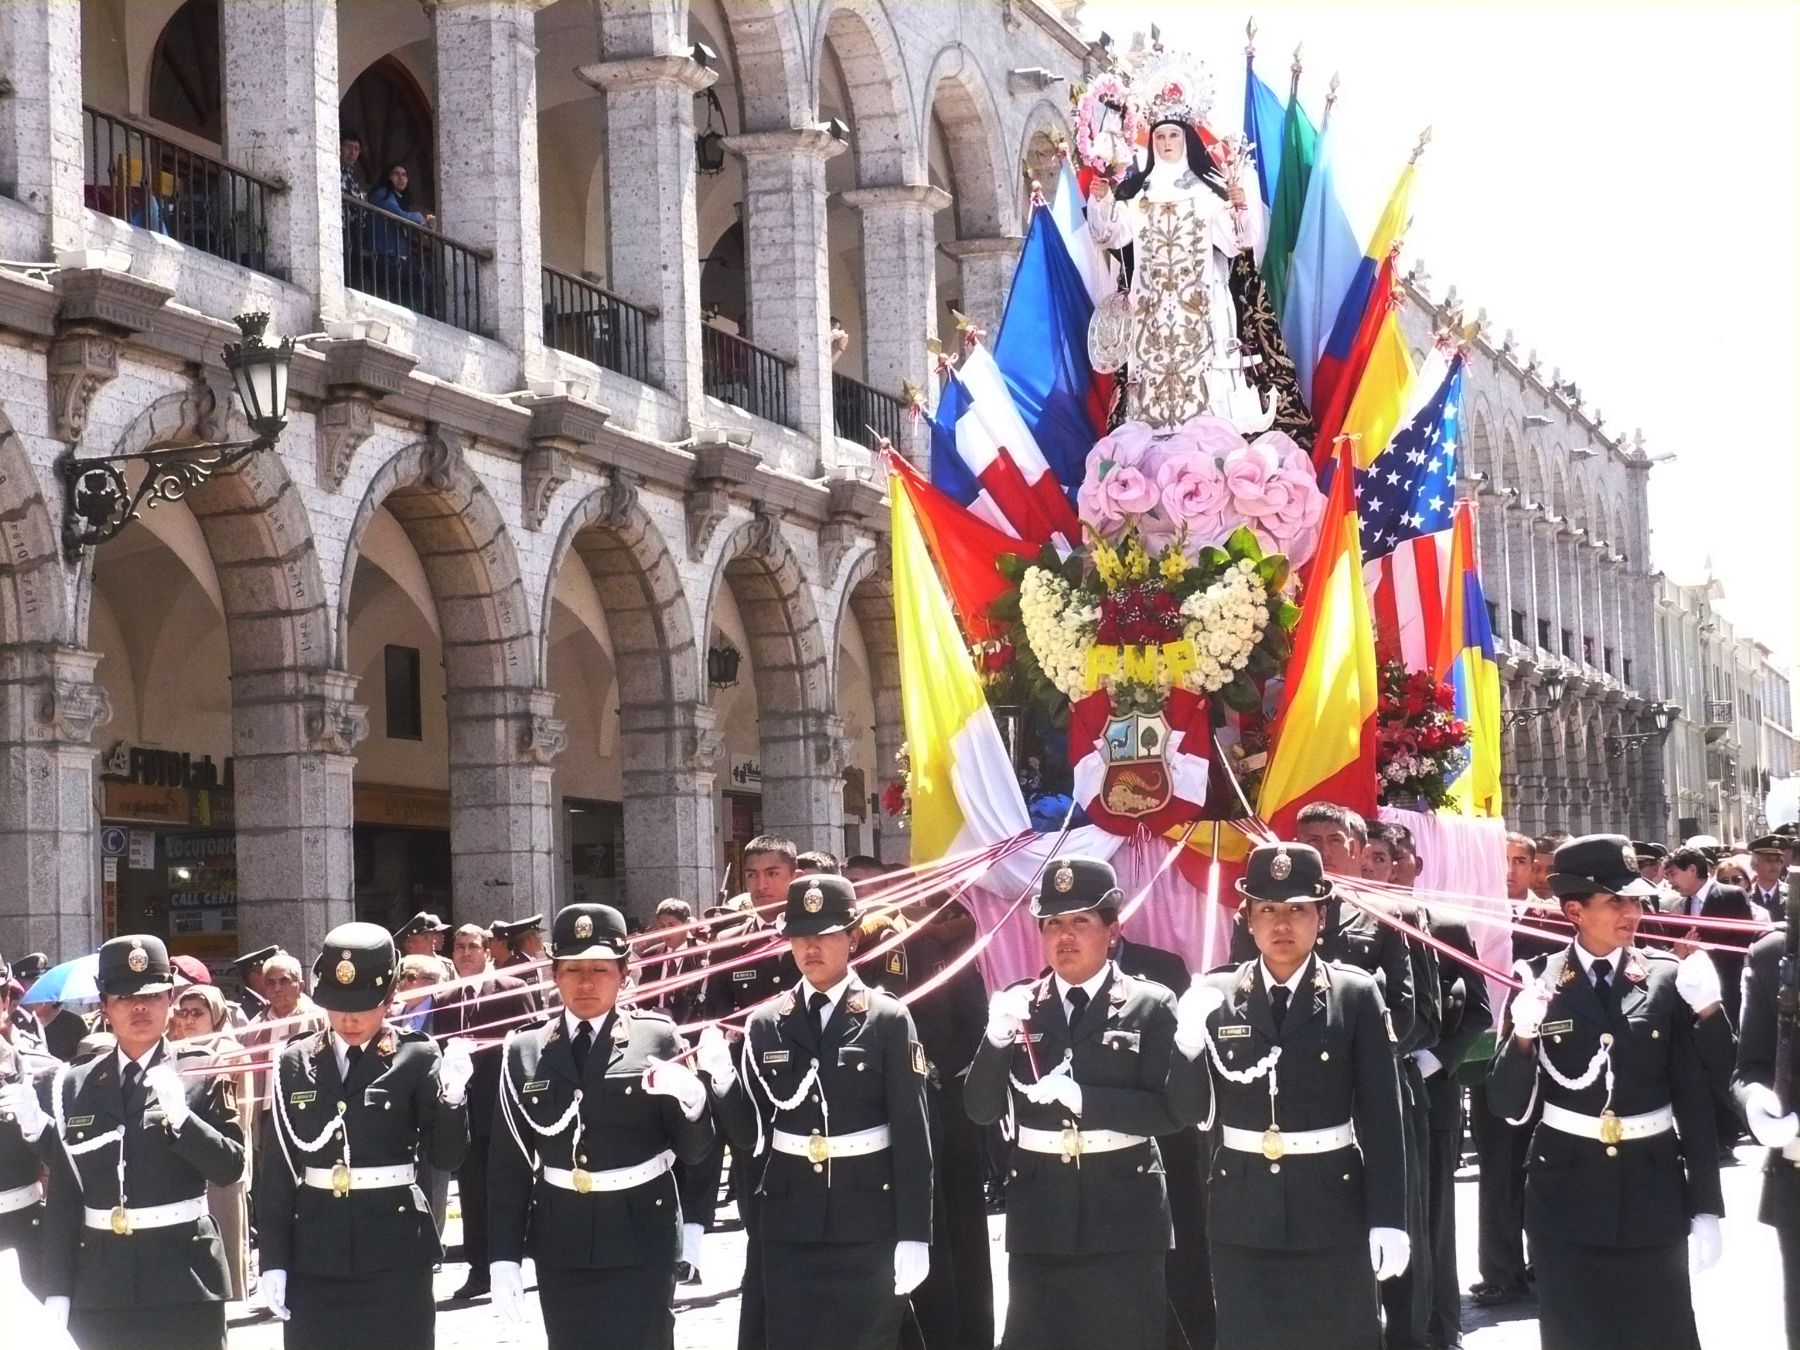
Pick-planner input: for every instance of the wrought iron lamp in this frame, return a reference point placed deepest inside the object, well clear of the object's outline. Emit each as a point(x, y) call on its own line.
point(722, 665)
point(1554, 683)
point(98, 502)
point(1661, 714)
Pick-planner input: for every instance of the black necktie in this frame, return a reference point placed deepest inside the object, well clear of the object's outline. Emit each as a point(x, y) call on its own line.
point(1278, 1003)
point(1602, 969)
point(352, 1053)
point(584, 1042)
point(133, 1074)
point(1078, 1001)
point(815, 1009)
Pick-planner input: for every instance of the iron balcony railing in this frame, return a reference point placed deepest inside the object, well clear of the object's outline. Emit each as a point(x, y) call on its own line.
point(588, 321)
point(411, 265)
point(743, 374)
point(863, 414)
point(138, 177)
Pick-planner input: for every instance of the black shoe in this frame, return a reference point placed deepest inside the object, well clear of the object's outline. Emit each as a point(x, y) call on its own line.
point(686, 1272)
point(473, 1288)
point(1496, 1295)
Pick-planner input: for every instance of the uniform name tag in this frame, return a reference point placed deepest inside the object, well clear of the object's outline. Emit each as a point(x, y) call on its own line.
point(1121, 1040)
point(78, 1121)
point(775, 1056)
point(1228, 1033)
point(1034, 1036)
point(295, 1097)
point(742, 975)
point(1556, 1028)
point(540, 1085)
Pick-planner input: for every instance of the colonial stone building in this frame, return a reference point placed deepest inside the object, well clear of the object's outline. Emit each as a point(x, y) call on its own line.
point(566, 575)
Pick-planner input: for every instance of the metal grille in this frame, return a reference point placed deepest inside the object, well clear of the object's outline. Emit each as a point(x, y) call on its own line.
point(388, 256)
point(588, 321)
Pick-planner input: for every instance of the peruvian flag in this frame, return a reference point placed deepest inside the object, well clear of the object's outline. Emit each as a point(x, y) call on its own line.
point(1137, 771)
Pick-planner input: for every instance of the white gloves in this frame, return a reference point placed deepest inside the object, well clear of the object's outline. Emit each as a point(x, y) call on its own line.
point(714, 1059)
point(273, 1285)
point(1389, 1251)
point(57, 1306)
point(19, 1103)
point(1528, 1008)
point(1191, 1011)
point(165, 1084)
point(1058, 1088)
point(455, 1069)
point(1705, 1243)
point(672, 1078)
point(1697, 981)
point(1768, 1126)
point(912, 1262)
point(1008, 1012)
point(1428, 1063)
point(506, 1280)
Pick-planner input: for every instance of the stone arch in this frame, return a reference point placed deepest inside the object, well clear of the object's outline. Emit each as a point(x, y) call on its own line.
point(463, 544)
point(639, 583)
point(1621, 538)
point(774, 83)
point(1481, 444)
point(868, 596)
point(787, 638)
point(1046, 124)
point(1514, 466)
point(33, 603)
point(962, 98)
point(860, 37)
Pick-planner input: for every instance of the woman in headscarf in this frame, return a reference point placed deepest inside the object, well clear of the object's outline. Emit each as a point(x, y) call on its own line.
point(201, 1011)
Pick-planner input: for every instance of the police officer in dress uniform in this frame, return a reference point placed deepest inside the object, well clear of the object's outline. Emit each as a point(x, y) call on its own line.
point(1754, 1086)
point(130, 1252)
point(345, 1236)
point(23, 1065)
point(1623, 1166)
point(249, 967)
point(1768, 859)
point(826, 1105)
point(422, 935)
point(594, 1110)
point(1078, 1062)
point(522, 940)
point(1306, 1200)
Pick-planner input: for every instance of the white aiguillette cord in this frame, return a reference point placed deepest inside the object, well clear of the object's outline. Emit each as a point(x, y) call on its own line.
point(1265, 1065)
point(1602, 1060)
point(333, 1126)
point(513, 1104)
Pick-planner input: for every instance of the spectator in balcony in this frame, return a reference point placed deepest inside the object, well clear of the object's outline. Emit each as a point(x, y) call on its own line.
point(349, 151)
point(840, 340)
point(399, 275)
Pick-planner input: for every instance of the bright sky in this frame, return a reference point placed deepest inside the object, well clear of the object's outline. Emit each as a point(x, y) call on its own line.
point(1617, 184)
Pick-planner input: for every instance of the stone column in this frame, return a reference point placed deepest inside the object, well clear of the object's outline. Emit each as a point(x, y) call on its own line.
point(803, 758)
point(281, 121)
point(40, 116)
point(789, 261)
point(294, 736)
point(1520, 570)
point(488, 159)
point(502, 808)
point(1542, 546)
point(654, 237)
point(900, 290)
point(986, 265)
point(50, 708)
point(671, 821)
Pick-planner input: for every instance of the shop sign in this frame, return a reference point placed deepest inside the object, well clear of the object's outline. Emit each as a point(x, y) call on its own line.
point(152, 805)
point(409, 808)
point(150, 767)
point(746, 773)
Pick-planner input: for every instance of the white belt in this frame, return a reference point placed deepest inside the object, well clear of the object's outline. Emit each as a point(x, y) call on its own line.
point(1275, 1143)
point(21, 1197)
point(1609, 1129)
point(582, 1181)
point(123, 1221)
point(1072, 1143)
point(818, 1147)
point(358, 1178)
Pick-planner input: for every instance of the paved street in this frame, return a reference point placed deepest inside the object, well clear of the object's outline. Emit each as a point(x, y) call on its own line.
point(1739, 1301)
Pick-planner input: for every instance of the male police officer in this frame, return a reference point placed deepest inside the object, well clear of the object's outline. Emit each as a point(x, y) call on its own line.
point(346, 1239)
point(831, 1078)
point(1080, 1059)
point(1606, 1035)
point(593, 1112)
point(131, 1253)
point(1772, 1122)
point(1306, 1202)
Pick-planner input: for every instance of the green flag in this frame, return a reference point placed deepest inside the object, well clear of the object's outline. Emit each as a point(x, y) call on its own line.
point(1299, 142)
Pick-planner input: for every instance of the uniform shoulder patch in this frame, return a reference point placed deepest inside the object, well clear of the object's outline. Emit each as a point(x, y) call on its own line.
point(1388, 1018)
point(228, 1093)
point(918, 1059)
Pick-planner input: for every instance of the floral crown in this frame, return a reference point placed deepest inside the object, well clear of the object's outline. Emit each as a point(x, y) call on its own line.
point(1174, 89)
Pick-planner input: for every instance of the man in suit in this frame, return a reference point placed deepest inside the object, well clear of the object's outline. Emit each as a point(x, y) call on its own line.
point(1079, 1059)
point(484, 1005)
point(1772, 1121)
point(1307, 1205)
point(131, 1254)
point(1768, 860)
point(345, 1238)
point(826, 1105)
point(594, 1110)
point(1608, 1037)
point(1704, 896)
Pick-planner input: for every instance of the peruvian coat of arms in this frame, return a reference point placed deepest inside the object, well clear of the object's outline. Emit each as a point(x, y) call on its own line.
point(1137, 780)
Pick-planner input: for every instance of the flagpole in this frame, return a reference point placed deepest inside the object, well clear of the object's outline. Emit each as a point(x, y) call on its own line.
point(1250, 47)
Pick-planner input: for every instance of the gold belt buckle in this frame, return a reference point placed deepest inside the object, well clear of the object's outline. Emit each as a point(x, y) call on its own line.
point(582, 1180)
point(121, 1221)
point(1612, 1129)
point(1071, 1143)
point(340, 1179)
point(818, 1149)
point(1274, 1147)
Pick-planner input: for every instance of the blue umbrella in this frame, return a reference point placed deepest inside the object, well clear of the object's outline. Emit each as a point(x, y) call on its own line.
point(71, 982)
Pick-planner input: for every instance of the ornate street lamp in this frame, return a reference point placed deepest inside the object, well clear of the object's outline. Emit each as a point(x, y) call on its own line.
point(1554, 683)
point(722, 665)
point(98, 502)
point(709, 145)
point(1661, 714)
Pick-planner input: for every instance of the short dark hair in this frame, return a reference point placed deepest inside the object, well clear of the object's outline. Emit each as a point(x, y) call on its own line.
point(773, 843)
point(1399, 838)
point(817, 860)
point(1330, 813)
point(676, 907)
point(475, 929)
point(1514, 837)
point(1109, 914)
point(1691, 857)
point(1551, 840)
point(347, 134)
point(864, 860)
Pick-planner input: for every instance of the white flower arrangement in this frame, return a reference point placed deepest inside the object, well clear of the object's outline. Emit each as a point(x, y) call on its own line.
point(1225, 622)
point(1059, 629)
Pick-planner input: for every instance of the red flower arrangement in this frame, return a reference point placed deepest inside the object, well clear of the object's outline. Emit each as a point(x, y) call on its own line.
point(1142, 614)
point(896, 794)
point(1421, 744)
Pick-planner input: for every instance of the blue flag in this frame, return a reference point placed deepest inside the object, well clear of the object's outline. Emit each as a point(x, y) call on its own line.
point(1263, 116)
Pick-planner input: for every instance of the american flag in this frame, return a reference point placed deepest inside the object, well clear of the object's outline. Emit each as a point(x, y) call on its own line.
point(1406, 500)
